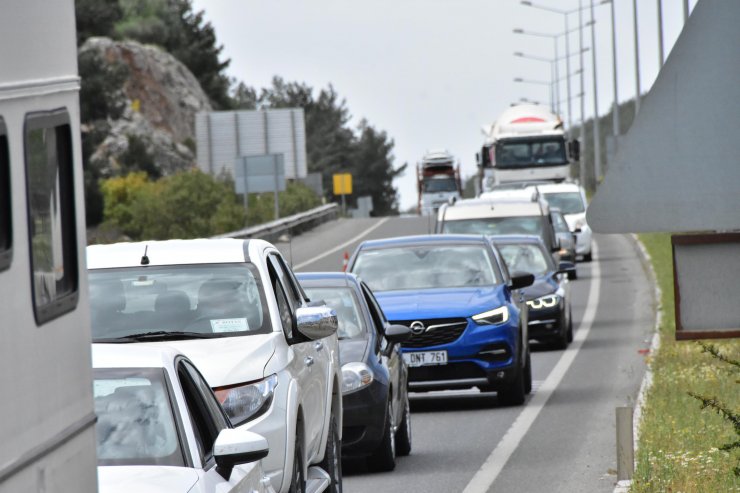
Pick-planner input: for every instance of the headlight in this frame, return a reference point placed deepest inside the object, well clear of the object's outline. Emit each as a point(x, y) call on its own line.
point(492, 317)
point(243, 402)
point(544, 302)
point(356, 376)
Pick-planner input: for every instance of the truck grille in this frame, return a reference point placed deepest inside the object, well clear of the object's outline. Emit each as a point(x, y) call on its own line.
point(436, 331)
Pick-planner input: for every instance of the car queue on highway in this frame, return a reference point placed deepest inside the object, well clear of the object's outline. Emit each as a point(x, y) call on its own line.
point(306, 370)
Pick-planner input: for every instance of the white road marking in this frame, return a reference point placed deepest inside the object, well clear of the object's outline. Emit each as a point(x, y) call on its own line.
point(495, 463)
point(343, 245)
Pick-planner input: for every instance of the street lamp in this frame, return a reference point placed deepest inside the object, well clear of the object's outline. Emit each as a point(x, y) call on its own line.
point(538, 82)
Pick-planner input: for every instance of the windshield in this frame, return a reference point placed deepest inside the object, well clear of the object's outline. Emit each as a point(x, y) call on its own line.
point(212, 300)
point(522, 154)
point(525, 257)
point(567, 202)
point(425, 267)
point(135, 424)
point(529, 225)
point(445, 184)
point(344, 302)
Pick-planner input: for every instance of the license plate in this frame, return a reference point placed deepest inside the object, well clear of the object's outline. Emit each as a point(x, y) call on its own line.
point(425, 358)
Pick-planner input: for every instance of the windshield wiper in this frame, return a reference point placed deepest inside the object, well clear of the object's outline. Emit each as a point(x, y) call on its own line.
point(159, 335)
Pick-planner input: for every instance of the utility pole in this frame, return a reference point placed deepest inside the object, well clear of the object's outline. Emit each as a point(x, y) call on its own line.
point(567, 69)
point(584, 145)
point(597, 139)
point(661, 56)
point(685, 11)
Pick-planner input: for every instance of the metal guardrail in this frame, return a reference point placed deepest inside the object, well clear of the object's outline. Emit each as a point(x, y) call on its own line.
point(293, 224)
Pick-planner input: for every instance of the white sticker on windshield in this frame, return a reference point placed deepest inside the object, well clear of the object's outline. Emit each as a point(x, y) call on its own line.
point(229, 325)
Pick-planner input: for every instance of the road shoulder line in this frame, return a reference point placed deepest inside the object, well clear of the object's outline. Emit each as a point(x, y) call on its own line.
point(343, 245)
point(494, 464)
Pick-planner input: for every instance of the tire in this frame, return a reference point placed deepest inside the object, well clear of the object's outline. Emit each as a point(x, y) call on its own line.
point(572, 275)
point(570, 326)
point(332, 462)
point(528, 375)
point(561, 340)
point(588, 257)
point(403, 434)
point(384, 458)
point(297, 480)
point(514, 393)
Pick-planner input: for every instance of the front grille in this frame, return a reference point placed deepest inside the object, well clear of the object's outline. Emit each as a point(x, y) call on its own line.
point(436, 331)
point(451, 371)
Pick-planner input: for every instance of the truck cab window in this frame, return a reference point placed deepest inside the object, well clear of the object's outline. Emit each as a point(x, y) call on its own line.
point(51, 214)
point(6, 234)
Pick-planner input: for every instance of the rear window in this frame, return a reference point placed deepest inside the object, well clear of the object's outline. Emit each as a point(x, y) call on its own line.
point(528, 225)
point(567, 202)
point(425, 267)
point(211, 300)
point(526, 257)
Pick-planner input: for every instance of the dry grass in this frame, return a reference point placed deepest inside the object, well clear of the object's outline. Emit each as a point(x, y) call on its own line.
point(679, 442)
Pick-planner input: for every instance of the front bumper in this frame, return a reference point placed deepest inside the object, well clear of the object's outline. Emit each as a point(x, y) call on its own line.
point(363, 419)
point(546, 323)
point(482, 355)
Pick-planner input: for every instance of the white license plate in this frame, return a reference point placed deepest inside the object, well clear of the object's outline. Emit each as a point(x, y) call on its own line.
point(424, 358)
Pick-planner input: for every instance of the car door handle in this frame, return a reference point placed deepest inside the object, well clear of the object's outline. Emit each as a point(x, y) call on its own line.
point(308, 361)
point(318, 345)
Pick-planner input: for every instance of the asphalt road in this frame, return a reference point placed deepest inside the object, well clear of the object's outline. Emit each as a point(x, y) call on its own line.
point(562, 439)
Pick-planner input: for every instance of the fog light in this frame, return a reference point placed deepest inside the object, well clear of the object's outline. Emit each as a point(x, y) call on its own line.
point(500, 375)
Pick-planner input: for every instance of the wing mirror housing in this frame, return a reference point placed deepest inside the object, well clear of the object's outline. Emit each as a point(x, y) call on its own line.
point(316, 322)
point(521, 280)
point(566, 267)
point(397, 333)
point(235, 446)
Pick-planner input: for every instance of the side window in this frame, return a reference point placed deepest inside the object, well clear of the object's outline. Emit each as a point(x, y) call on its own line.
point(51, 214)
point(289, 281)
point(205, 413)
point(6, 231)
point(284, 307)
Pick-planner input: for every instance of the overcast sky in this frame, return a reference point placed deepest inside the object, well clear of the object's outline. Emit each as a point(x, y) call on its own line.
point(432, 72)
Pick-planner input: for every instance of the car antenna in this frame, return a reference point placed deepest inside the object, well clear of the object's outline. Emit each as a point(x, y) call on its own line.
point(144, 258)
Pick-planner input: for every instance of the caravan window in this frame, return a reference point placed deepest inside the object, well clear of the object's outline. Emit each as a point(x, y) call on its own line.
point(6, 236)
point(51, 215)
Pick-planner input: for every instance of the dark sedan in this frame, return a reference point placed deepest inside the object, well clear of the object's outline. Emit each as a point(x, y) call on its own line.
point(548, 299)
point(377, 420)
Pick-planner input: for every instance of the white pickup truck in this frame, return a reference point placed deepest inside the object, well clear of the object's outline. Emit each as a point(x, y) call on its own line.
point(235, 309)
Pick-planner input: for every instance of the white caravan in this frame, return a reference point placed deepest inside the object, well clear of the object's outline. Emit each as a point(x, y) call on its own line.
point(47, 437)
point(526, 142)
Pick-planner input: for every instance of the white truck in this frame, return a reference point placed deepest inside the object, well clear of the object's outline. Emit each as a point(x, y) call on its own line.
point(526, 142)
point(438, 180)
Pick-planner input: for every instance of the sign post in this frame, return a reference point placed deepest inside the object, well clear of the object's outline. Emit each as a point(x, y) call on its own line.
point(342, 186)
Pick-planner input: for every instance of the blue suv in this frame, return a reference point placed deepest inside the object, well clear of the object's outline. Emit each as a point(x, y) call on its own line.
point(467, 316)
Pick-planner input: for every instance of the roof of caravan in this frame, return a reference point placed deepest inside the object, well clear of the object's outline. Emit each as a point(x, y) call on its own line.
point(481, 209)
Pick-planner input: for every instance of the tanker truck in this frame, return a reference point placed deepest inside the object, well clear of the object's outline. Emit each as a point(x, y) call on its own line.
point(527, 142)
point(438, 180)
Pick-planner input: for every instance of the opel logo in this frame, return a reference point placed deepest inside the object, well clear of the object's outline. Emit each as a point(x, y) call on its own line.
point(417, 327)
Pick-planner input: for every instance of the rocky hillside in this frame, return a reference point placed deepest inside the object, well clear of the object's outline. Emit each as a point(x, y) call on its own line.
point(159, 97)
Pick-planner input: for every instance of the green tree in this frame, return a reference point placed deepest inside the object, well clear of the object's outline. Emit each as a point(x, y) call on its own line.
point(96, 18)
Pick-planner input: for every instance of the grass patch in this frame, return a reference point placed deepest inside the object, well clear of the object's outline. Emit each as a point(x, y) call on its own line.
point(679, 442)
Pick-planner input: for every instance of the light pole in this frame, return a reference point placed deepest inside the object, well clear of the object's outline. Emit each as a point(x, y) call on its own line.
point(685, 11)
point(555, 37)
point(597, 139)
point(615, 111)
point(660, 35)
point(555, 79)
point(637, 59)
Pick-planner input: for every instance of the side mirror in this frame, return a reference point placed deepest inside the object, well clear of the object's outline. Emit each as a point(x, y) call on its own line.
point(316, 322)
point(565, 267)
point(521, 280)
point(397, 333)
point(477, 160)
point(574, 148)
point(236, 446)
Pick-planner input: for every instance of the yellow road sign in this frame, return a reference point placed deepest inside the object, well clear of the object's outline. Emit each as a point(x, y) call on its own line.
point(342, 184)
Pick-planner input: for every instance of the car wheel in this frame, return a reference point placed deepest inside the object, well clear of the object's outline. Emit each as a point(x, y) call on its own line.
point(332, 462)
point(403, 435)
point(587, 257)
point(570, 326)
point(514, 393)
point(298, 481)
point(572, 275)
point(384, 458)
point(528, 374)
point(561, 340)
